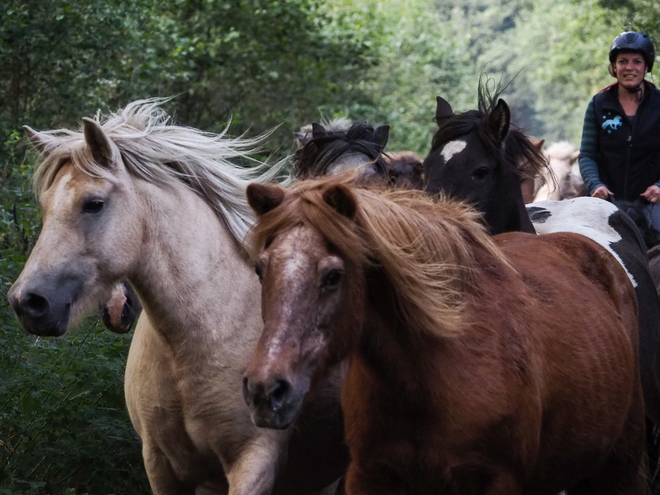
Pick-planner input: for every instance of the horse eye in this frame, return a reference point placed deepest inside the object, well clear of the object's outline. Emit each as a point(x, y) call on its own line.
point(481, 173)
point(92, 206)
point(331, 280)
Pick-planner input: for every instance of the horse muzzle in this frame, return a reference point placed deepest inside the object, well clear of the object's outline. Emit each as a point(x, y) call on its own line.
point(273, 404)
point(41, 312)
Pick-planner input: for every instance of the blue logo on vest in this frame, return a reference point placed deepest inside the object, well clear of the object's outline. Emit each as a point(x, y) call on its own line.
point(612, 124)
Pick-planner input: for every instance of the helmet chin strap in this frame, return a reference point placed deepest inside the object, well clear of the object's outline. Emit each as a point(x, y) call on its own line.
point(637, 89)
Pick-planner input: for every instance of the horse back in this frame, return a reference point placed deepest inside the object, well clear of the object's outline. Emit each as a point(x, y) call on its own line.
point(567, 258)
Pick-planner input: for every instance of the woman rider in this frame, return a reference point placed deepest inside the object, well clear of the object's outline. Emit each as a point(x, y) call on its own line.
point(620, 149)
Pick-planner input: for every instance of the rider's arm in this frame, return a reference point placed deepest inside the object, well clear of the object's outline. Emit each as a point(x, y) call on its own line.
point(589, 152)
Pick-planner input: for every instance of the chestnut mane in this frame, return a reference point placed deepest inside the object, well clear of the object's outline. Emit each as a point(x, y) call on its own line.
point(427, 249)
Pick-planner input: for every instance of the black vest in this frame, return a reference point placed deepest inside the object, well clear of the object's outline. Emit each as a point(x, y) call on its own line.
point(628, 153)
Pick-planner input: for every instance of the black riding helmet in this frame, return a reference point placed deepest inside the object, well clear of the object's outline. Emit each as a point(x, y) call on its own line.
point(633, 41)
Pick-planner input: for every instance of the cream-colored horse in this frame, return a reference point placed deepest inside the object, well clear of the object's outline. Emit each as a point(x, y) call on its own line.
point(135, 197)
point(562, 179)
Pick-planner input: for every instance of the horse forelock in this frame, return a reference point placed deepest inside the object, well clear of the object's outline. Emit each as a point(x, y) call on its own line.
point(156, 150)
point(317, 155)
point(426, 248)
point(561, 150)
point(517, 154)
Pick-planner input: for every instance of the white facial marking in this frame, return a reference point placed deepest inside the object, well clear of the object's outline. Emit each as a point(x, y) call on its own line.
point(452, 148)
point(586, 216)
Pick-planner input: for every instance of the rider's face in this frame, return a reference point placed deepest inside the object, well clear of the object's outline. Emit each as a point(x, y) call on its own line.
point(630, 69)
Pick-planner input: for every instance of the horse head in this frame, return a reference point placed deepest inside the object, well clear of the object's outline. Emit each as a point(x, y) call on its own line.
point(86, 201)
point(309, 290)
point(477, 157)
point(333, 148)
point(404, 169)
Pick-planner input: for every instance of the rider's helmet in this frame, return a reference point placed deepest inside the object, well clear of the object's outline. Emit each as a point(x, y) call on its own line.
point(633, 41)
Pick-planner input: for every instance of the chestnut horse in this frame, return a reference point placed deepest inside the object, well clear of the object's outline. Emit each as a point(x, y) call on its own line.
point(466, 376)
point(136, 197)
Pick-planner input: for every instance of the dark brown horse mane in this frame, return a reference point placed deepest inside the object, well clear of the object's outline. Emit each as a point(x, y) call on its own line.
point(518, 153)
point(319, 153)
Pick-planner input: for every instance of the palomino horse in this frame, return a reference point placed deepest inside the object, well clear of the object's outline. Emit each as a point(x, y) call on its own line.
point(163, 206)
point(468, 162)
point(528, 182)
point(562, 178)
point(466, 376)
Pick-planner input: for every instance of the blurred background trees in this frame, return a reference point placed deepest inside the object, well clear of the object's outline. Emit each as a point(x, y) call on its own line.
point(262, 63)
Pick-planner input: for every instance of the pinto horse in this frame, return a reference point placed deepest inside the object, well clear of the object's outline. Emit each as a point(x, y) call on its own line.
point(476, 157)
point(136, 197)
point(465, 376)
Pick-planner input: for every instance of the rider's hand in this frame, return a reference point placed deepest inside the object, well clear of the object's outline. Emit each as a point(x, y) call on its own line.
point(652, 194)
point(603, 192)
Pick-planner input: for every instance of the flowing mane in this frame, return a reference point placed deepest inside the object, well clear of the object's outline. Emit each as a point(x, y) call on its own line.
point(518, 155)
point(426, 248)
point(156, 150)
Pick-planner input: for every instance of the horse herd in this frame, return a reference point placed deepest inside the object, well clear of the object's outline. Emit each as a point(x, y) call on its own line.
point(406, 331)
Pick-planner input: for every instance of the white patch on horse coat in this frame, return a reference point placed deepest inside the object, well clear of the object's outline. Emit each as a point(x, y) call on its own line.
point(586, 216)
point(452, 148)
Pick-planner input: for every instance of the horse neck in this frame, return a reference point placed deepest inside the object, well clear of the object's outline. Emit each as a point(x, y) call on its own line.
point(505, 211)
point(395, 356)
point(192, 277)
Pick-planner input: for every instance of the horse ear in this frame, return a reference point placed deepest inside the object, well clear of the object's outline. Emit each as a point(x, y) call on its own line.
point(341, 199)
point(538, 144)
point(381, 135)
point(499, 120)
point(38, 140)
point(442, 109)
point(264, 198)
point(317, 130)
point(98, 142)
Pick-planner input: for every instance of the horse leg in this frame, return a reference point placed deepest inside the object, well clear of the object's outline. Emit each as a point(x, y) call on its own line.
point(254, 470)
point(162, 479)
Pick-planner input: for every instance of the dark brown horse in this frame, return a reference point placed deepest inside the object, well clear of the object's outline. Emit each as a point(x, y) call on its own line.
point(466, 376)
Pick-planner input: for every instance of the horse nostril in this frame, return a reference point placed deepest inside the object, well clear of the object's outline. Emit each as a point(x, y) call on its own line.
point(248, 392)
point(278, 394)
point(34, 305)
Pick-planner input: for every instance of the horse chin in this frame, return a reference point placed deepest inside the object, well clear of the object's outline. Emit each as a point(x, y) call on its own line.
point(46, 327)
point(276, 420)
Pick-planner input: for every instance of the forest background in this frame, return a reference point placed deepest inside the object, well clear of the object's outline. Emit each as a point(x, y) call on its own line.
point(262, 63)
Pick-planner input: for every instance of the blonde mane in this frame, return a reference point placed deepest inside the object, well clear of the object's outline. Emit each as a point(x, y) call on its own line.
point(428, 249)
point(561, 150)
point(156, 150)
